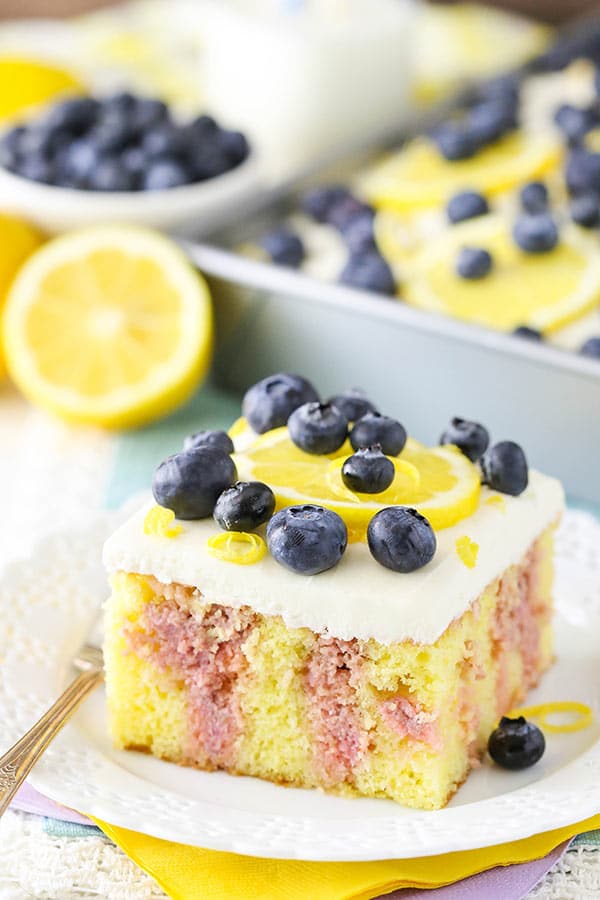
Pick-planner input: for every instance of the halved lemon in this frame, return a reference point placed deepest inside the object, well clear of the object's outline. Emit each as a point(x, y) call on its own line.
point(440, 482)
point(109, 326)
point(544, 291)
point(25, 83)
point(418, 176)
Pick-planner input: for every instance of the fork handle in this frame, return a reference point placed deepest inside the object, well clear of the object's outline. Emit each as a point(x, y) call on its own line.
point(17, 763)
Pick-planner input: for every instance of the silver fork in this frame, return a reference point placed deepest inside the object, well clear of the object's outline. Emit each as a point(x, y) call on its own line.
point(17, 763)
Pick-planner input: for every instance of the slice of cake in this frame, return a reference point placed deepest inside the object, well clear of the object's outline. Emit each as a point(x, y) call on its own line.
point(355, 613)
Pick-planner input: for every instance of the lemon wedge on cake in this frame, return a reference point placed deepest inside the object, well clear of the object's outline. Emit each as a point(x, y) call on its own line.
point(108, 326)
point(418, 176)
point(440, 482)
point(544, 291)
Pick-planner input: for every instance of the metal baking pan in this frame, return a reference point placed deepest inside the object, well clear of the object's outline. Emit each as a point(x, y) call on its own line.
point(419, 367)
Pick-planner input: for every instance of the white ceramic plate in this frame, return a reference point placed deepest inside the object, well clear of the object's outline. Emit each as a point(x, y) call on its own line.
point(48, 603)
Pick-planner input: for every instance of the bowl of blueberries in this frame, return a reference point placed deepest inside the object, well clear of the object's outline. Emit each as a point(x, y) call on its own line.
point(123, 158)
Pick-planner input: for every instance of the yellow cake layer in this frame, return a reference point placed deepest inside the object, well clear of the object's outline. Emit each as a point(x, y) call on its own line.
point(481, 666)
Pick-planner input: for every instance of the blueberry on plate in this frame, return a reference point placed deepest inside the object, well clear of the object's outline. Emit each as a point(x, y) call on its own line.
point(284, 247)
point(269, 403)
point(401, 539)
point(466, 205)
point(307, 539)
point(368, 272)
point(343, 213)
point(373, 428)
point(504, 468)
point(534, 197)
point(536, 234)
point(162, 174)
point(487, 122)
point(244, 506)
point(591, 348)
point(470, 437)
point(368, 471)
point(318, 428)
point(318, 202)
point(473, 263)
point(530, 334)
point(504, 87)
point(516, 743)
point(353, 404)
point(454, 141)
point(585, 210)
point(218, 439)
point(582, 172)
point(190, 482)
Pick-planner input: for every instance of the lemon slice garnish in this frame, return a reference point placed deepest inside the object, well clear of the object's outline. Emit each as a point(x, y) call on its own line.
point(418, 176)
point(441, 483)
point(544, 291)
point(109, 326)
point(241, 547)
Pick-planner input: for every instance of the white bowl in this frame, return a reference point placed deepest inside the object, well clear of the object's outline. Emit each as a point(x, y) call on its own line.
point(191, 210)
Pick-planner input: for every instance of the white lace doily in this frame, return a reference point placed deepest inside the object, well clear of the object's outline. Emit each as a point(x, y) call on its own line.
point(53, 596)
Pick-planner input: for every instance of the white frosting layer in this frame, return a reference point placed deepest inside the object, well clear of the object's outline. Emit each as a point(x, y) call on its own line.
point(358, 598)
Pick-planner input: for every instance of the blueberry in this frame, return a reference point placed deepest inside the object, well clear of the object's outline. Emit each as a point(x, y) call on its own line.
point(470, 437)
point(269, 403)
point(530, 334)
point(359, 235)
point(244, 506)
point(234, 146)
point(373, 428)
point(79, 159)
point(516, 743)
point(504, 468)
point(318, 202)
point(454, 141)
point(39, 140)
point(343, 213)
point(284, 247)
point(534, 197)
point(165, 173)
point(502, 87)
point(36, 168)
point(401, 539)
point(353, 404)
point(147, 113)
point(135, 163)
point(318, 428)
point(112, 134)
point(121, 103)
point(75, 115)
point(536, 234)
point(110, 175)
point(582, 172)
point(217, 439)
point(368, 471)
point(202, 128)
point(585, 210)
point(489, 121)
point(575, 122)
point(591, 348)
point(368, 272)
point(208, 161)
point(473, 263)
point(164, 141)
point(466, 205)
point(190, 482)
point(307, 539)
point(10, 147)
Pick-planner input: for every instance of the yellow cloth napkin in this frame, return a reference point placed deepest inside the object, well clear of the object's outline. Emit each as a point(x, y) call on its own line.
point(187, 873)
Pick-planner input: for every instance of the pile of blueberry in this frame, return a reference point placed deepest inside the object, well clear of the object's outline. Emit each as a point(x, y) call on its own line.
point(201, 480)
point(120, 143)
